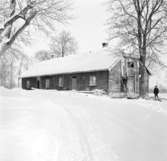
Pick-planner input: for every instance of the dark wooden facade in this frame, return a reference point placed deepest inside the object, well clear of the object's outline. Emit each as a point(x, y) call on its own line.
point(123, 78)
point(81, 83)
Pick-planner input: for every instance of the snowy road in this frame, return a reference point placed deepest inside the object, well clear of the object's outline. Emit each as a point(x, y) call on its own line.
point(67, 126)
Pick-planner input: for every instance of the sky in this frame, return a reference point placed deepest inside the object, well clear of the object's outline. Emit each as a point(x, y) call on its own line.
point(88, 27)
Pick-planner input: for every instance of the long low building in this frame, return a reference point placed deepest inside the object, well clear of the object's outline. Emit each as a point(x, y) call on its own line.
point(86, 72)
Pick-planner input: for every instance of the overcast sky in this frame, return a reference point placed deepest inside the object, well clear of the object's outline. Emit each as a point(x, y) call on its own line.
point(88, 27)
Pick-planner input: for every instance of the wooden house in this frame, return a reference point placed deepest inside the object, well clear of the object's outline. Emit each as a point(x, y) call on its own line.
point(117, 76)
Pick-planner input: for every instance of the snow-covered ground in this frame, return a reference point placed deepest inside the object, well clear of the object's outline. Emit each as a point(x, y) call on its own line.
point(44, 125)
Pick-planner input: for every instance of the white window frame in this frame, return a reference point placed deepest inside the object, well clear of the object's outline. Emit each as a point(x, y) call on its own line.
point(60, 81)
point(92, 80)
point(47, 83)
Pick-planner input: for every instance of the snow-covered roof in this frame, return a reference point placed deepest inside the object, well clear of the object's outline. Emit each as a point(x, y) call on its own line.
point(97, 61)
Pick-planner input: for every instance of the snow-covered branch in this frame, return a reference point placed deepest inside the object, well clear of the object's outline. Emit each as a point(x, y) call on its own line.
point(38, 10)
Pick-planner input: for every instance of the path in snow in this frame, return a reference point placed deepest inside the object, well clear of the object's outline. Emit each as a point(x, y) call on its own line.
point(67, 126)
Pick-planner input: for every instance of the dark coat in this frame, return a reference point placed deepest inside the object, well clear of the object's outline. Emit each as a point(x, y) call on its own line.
point(156, 90)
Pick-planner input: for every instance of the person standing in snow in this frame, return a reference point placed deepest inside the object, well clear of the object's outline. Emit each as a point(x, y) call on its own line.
point(156, 92)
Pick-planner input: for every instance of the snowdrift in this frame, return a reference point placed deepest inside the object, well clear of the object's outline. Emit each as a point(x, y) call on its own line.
point(43, 125)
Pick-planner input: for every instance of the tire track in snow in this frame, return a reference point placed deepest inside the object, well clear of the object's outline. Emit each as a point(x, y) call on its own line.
point(83, 139)
point(115, 118)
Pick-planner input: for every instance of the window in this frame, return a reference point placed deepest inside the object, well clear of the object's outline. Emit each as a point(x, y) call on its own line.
point(47, 83)
point(92, 80)
point(130, 64)
point(28, 84)
point(60, 81)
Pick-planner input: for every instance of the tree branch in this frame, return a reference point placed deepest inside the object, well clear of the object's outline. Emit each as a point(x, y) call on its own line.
point(27, 22)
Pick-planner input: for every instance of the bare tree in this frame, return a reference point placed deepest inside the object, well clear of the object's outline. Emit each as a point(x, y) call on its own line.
point(43, 55)
point(141, 25)
point(11, 65)
point(17, 15)
point(24, 62)
point(63, 44)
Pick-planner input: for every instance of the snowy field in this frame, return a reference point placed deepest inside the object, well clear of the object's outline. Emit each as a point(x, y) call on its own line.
point(43, 125)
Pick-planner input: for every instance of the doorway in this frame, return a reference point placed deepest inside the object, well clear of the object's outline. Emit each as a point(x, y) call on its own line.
point(74, 83)
point(131, 85)
point(38, 84)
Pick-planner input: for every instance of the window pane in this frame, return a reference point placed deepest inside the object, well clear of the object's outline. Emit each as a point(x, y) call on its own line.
point(131, 64)
point(92, 81)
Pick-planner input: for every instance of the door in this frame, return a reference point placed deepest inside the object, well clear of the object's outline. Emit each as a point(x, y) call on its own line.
point(74, 83)
point(131, 86)
point(38, 84)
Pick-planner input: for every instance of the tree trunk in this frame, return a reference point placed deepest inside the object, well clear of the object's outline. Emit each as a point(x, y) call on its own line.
point(3, 49)
point(11, 75)
point(143, 87)
point(142, 72)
